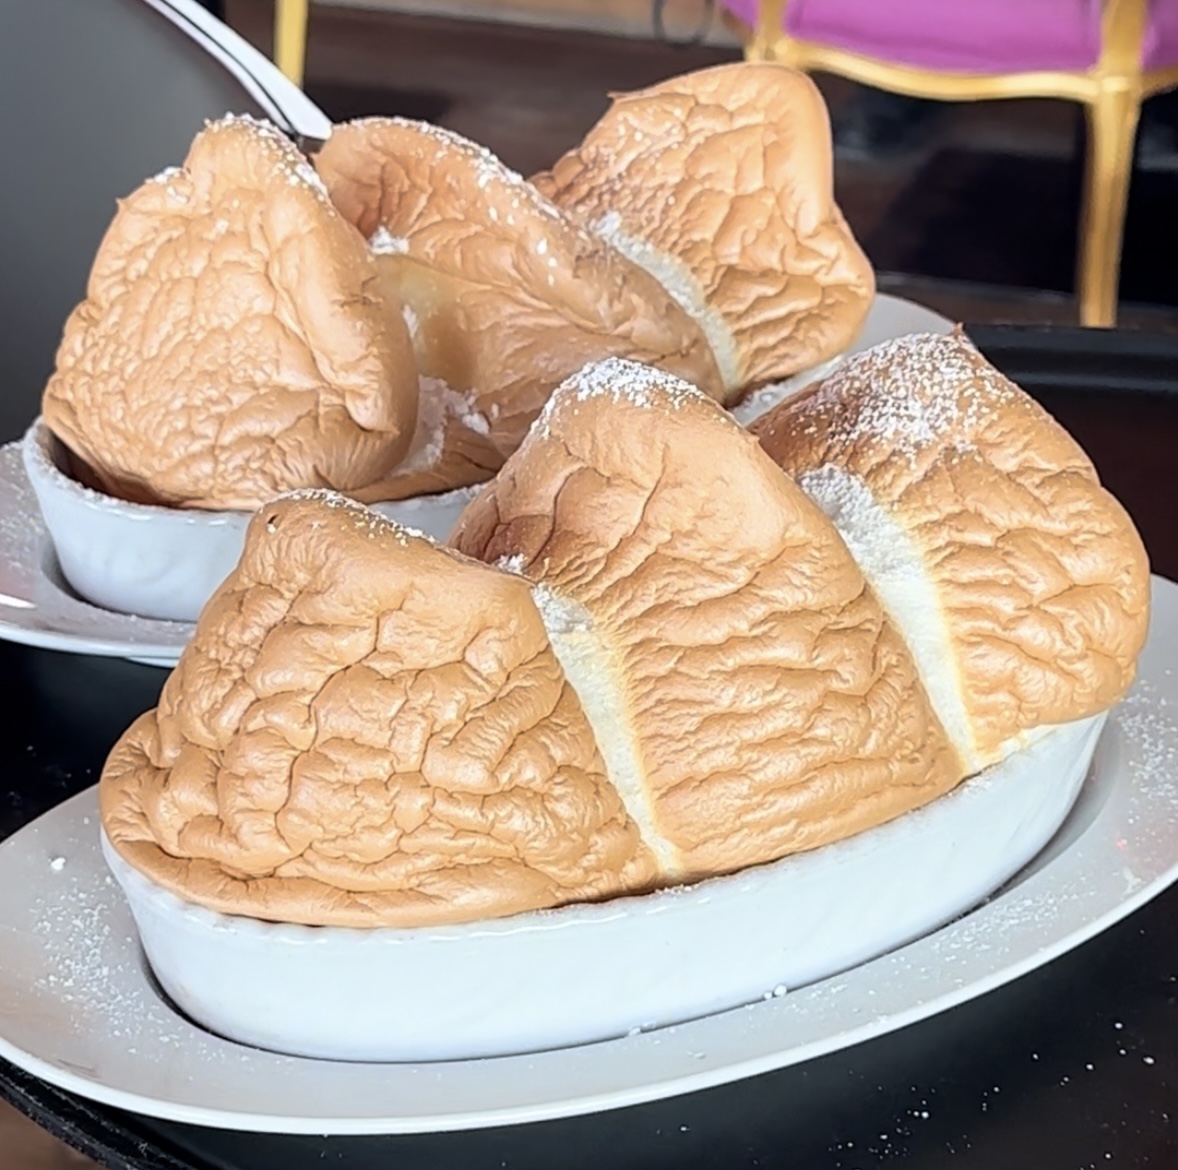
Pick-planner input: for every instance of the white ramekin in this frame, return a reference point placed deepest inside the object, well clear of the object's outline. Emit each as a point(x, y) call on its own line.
point(583, 973)
point(161, 562)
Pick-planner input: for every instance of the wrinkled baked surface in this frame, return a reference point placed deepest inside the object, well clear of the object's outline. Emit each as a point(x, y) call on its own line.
point(505, 294)
point(367, 729)
point(1041, 576)
point(230, 345)
point(721, 182)
point(770, 705)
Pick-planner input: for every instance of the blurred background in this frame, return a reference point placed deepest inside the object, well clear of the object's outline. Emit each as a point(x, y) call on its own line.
point(971, 207)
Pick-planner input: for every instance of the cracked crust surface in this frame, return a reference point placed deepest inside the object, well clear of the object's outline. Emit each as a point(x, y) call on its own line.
point(231, 345)
point(769, 705)
point(1041, 578)
point(506, 294)
point(721, 183)
point(368, 730)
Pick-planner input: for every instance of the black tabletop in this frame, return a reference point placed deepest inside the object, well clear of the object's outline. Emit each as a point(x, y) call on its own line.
point(1072, 1067)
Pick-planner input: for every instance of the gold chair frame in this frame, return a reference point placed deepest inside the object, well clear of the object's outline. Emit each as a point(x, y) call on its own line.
point(290, 37)
point(1111, 92)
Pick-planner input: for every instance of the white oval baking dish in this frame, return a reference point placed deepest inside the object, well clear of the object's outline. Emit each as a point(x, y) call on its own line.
point(571, 976)
point(161, 562)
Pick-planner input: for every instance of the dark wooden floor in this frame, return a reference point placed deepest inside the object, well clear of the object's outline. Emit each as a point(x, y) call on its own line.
point(529, 94)
point(25, 1147)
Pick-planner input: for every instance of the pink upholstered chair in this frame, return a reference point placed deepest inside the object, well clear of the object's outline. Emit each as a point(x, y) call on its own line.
point(1106, 54)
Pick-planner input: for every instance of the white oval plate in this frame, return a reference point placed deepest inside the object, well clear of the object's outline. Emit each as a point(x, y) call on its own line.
point(78, 1009)
point(38, 608)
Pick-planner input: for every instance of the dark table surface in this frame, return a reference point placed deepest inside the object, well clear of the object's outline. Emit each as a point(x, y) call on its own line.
point(1072, 1067)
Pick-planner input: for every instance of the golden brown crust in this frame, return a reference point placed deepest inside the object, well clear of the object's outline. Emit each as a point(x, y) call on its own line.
point(505, 293)
point(728, 172)
point(366, 730)
point(1041, 575)
point(231, 345)
point(772, 705)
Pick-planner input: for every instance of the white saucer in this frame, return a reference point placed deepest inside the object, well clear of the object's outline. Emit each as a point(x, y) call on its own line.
point(38, 608)
point(78, 1010)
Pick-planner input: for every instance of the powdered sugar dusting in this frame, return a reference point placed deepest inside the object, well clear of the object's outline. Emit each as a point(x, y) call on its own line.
point(425, 448)
point(76, 920)
point(262, 127)
point(298, 171)
point(624, 381)
point(327, 496)
point(383, 243)
point(21, 528)
point(91, 964)
point(302, 173)
point(913, 392)
point(476, 421)
point(630, 381)
point(438, 404)
point(92, 954)
point(609, 225)
point(1151, 727)
point(362, 516)
point(488, 168)
point(171, 179)
point(511, 564)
